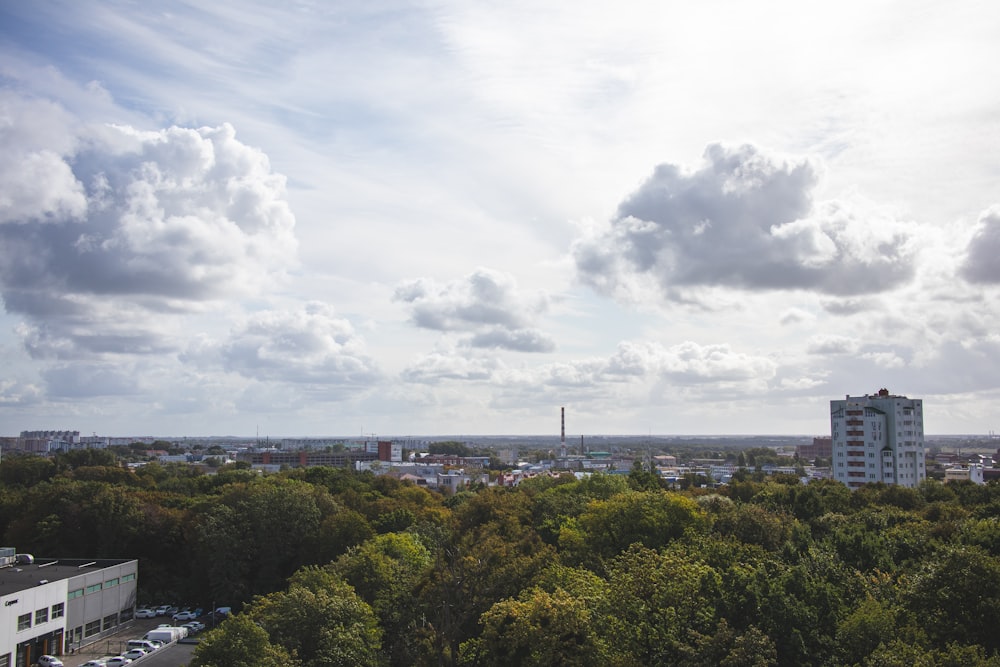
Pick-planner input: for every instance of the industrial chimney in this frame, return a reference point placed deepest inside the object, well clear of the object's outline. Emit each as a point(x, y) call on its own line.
point(562, 435)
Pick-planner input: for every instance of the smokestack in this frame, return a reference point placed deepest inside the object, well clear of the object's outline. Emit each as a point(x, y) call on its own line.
point(562, 436)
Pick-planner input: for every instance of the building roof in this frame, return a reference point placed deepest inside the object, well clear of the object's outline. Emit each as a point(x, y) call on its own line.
point(20, 577)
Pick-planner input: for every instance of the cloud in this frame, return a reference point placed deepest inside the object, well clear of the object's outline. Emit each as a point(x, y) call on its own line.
point(486, 304)
point(111, 229)
point(37, 184)
point(518, 340)
point(745, 220)
point(89, 379)
point(311, 346)
point(831, 344)
point(795, 316)
point(437, 366)
point(19, 394)
point(981, 263)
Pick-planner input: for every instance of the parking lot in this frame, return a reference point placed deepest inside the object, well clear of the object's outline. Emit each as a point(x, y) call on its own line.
point(172, 655)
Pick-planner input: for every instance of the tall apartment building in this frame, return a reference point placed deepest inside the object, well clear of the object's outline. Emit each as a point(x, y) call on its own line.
point(878, 438)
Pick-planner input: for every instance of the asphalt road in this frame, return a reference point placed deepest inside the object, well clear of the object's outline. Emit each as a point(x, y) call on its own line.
point(174, 655)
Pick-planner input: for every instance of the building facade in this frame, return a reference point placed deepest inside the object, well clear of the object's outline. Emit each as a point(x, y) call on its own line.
point(821, 448)
point(877, 438)
point(50, 606)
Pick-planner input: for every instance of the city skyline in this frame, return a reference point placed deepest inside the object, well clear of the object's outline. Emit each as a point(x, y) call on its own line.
point(425, 218)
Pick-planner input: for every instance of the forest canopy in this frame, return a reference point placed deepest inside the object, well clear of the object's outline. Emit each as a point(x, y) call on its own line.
point(331, 567)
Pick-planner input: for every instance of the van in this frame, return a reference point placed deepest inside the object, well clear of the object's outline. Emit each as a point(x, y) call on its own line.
point(144, 644)
point(165, 635)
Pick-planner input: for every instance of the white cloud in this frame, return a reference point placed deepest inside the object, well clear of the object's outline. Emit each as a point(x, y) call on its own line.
point(126, 226)
point(832, 344)
point(746, 220)
point(982, 261)
point(36, 182)
point(312, 346)
point(486, 304)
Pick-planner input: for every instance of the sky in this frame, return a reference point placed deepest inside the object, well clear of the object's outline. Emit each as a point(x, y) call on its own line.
point(450, 217)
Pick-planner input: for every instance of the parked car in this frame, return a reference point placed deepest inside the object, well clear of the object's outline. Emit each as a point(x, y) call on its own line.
point(134, 654)
point(195, 626)
point(49, 661)
point(95, 663)
point(118, 661)
point(143, 612)
point(144, 644)
point(184, 616)
point(198, 611)
point(171, 610)
point(162, 610)
point(156, 642)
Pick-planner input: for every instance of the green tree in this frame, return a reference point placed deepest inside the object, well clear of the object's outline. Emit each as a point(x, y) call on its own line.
point(655, 600)
point(954, 597)
point(651, 518)
point(320, 620)
point(538, 629)
point(240, 641)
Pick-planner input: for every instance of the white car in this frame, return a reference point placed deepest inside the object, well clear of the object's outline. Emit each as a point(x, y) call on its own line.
point(145, 613)
point(95, 663)
point(49, 661)
point(185, 616)
point(135, 654)
point(118, 661)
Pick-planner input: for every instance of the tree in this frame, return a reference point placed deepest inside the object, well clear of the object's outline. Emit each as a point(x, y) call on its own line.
point(240, 641)
point(654, 600)
point(955, 597)
point(320, 620)
point(538, 629)
point(651, 518)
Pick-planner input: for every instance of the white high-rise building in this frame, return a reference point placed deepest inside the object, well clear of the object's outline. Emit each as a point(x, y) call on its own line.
point(878, 438)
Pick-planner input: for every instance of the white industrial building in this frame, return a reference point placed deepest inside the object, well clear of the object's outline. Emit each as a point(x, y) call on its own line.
point(878, 438)
point(50, 606)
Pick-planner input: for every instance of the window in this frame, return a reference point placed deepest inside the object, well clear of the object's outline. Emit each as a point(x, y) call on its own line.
point(75, 594)
point(92, 628)
point(58, 610)
point(42, 616)
point(94, 588)
point(23, 622)
point(128, 577)
point(5, 660)
point(110, 621)
point(111, 583)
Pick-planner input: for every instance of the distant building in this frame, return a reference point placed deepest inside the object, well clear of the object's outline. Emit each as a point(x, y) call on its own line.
point(305, 459)
point(972, 472)
point(877, 438)
point(821, 448)
point(41, 442)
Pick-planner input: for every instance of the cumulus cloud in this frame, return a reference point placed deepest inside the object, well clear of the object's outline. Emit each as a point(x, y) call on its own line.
point(89, 379)
point(437, 366)
point(14, 393)
point(105, 229)
point(486, 305)
point(37, 183)
point(686, 363)
point(746, 220)
point(832, 344)
point(982, 256)
point(312, 346)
